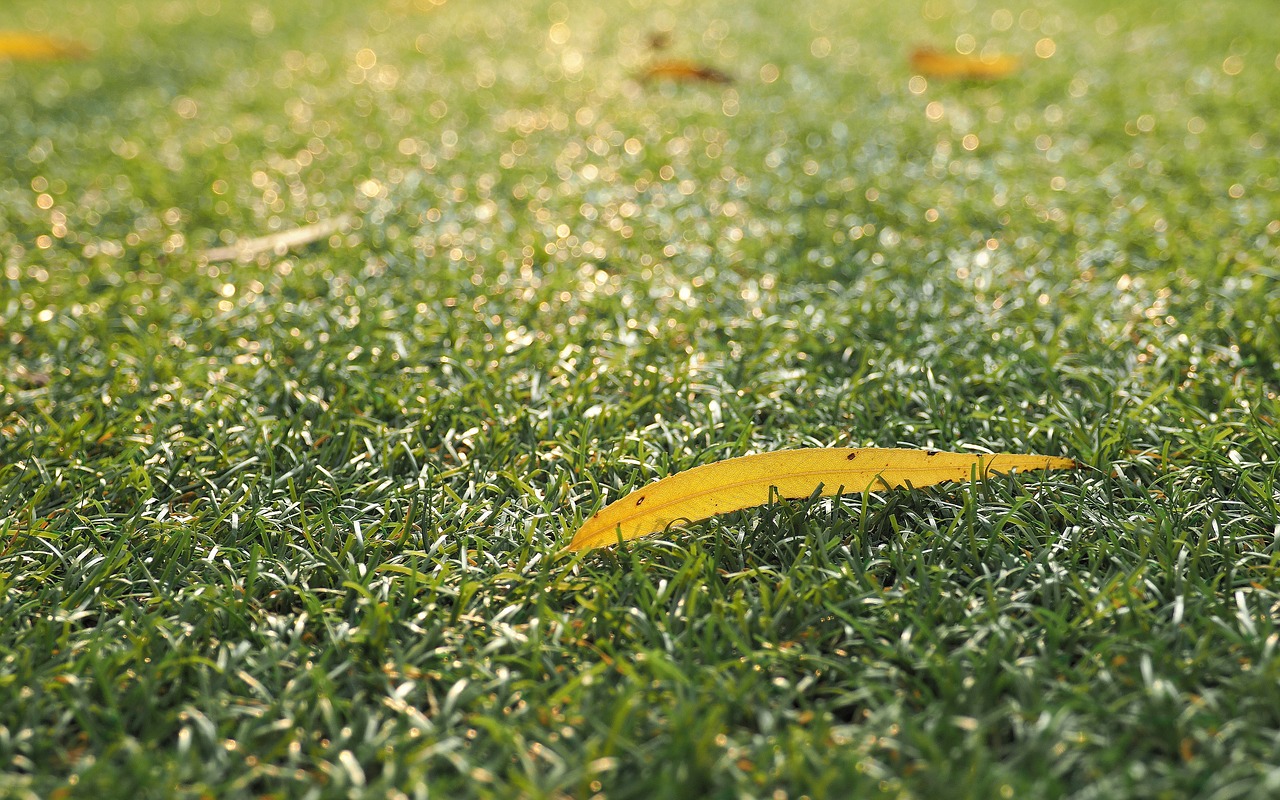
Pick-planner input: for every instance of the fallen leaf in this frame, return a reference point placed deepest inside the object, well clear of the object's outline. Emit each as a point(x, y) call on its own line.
point(739, 483)
point(684, 71)
point(18, 46)
point(659, 40)
point(278, 243)
point(933, 63)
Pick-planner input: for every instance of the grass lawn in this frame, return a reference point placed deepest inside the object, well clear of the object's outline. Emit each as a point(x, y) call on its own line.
point(293, 526)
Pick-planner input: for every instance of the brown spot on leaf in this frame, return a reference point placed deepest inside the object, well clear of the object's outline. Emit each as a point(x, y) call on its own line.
point(641, 500)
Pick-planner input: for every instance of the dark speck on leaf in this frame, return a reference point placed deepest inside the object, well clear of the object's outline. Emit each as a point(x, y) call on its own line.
point(931, 452)
point(641, 500)
point(851, 457)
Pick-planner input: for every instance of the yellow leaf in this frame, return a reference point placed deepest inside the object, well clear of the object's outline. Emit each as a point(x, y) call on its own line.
point(937, 64)
point(739, 483)
point(685, 71)
point(17, 46)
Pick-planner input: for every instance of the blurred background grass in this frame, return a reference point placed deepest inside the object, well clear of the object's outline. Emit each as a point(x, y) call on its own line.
point(287, 526)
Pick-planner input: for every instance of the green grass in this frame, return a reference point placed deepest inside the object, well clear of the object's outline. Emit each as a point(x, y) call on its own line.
point(293, 527)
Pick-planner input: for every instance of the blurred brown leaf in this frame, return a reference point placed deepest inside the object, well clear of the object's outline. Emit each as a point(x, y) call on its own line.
point(659, 40)
point(684, 72)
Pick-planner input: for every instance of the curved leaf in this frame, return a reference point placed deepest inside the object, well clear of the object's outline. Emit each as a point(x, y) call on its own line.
point(17, 46)
point(738, 483)
point(937, 64)
point(685, 71)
